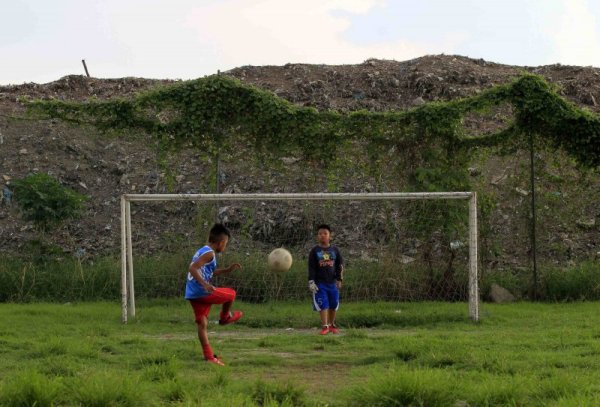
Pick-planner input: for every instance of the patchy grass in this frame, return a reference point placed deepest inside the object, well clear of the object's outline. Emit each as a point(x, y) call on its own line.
point(388, 354)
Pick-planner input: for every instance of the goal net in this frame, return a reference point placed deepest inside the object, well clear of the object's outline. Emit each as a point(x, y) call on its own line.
point(396, 246)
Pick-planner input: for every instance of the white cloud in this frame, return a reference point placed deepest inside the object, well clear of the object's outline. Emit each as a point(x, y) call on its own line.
point(275, 32)
point(577, 38)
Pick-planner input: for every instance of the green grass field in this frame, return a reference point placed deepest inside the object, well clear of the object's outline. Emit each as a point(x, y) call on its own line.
point(389, 354)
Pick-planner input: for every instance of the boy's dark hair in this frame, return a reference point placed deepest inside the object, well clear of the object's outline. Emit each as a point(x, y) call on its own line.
point(324, 226)
point(217, 233)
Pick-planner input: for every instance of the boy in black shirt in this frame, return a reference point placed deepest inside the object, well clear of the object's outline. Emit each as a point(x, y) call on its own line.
point(325, 271)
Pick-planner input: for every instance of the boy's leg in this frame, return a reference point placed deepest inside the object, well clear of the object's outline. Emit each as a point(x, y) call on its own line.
point(331, 315)
point(203, 337)
point(225, 308)
point(333, 326)
point(226, 316)
point(224, 296)
point(201, 311)
point(324, 322)
point(209, 355)
point(321, 304)
point(324, 317)
point(334, 303)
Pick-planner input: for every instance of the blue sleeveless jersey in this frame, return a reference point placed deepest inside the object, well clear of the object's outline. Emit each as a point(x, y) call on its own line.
point(193, 289)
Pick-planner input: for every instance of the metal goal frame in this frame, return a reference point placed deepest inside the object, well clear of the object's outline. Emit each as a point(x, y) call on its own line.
point(127, 280)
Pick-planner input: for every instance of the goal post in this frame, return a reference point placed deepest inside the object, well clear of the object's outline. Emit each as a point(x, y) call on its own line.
point(127, 273)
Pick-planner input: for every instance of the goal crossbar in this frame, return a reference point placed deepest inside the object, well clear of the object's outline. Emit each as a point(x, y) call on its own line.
point(127, 282)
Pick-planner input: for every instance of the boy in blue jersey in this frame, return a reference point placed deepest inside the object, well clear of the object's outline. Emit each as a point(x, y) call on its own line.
point(202, 294)
point(325, 272)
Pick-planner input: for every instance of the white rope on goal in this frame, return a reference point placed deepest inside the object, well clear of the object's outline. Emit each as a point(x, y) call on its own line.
point(127, 275)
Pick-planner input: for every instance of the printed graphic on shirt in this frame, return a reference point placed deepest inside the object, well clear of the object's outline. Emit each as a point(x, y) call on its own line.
point(326, 258)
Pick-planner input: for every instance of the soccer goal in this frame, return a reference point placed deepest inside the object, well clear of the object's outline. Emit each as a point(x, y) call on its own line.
point(396, 246)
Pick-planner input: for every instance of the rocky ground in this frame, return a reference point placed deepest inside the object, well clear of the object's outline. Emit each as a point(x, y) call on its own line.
point(104, 168)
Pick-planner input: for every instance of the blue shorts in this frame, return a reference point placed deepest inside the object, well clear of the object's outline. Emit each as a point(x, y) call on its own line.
point(328, 297)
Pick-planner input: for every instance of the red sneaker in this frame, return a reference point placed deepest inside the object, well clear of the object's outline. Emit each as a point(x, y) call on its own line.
point(334, 330)
point(324, 331)
point(215, 360)
point(231, 318)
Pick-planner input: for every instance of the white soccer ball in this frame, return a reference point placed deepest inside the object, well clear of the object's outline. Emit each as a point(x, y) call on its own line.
point(279, 260)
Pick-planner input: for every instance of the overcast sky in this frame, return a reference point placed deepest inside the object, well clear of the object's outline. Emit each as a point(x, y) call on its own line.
point(43, 40)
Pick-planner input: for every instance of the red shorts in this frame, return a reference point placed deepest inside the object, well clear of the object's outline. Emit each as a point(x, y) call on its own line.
point(202, 305)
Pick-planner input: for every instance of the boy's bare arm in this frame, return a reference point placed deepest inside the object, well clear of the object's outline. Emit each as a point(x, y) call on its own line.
point(340, 277)
point(194, 270)
point(234, 266)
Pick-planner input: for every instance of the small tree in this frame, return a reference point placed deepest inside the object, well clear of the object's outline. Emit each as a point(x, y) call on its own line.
point(43, 200)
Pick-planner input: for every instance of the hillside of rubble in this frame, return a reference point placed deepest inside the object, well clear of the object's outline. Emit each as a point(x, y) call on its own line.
point(103, 167)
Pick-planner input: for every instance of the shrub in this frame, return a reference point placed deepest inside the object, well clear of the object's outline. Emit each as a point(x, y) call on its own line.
point(30, 389)
point(399, 387)
point(43, 200)
point(581, 282)
point(266, 393)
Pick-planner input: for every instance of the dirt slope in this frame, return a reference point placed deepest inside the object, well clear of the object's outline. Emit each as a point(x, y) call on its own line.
point(105, 168)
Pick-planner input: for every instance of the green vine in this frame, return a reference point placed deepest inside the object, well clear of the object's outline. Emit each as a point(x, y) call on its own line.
point(217, 112)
